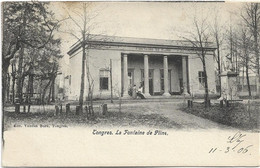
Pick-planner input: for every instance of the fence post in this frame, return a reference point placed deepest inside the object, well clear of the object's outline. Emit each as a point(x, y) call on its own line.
point(90, 108)
point(78, 110)
point(227, 103)
point(60, 109)
point(221, 103)
point(57, 110)
point(104, 109)
point(24, 108)
point(17, 107)
point(86, 109)
point(29, 106)
point(67, 109)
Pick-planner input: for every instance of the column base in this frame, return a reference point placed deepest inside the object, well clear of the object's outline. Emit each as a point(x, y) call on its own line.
point(166, 94)
point(147, 95)
point(126, 96)
point(185, 94)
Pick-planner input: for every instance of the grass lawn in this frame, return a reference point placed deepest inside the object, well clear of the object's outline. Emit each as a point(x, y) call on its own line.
point(111, 119)
point(237, 115)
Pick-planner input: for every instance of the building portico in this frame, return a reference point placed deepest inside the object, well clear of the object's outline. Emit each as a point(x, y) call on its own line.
point(153, 71)
point(162, 67)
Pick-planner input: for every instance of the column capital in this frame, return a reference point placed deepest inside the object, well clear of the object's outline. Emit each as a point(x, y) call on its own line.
point(125, 55)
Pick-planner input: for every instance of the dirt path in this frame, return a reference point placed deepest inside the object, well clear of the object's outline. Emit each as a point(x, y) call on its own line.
point(170, 110)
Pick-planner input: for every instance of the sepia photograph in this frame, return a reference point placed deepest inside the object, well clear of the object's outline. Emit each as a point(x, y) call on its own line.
point(130, 83)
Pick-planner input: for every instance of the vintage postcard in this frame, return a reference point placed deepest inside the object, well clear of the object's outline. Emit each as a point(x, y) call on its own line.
point(130, 84)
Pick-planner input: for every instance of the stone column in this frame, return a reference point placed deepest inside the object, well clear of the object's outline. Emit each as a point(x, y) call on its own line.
point(125, 77)
point(165, 76)
point(184, 75)
point(146, 76)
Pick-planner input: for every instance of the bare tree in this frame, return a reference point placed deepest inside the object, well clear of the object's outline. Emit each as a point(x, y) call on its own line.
point(216, 29)
point(244, 44)
point(199, 39)
point(83, 18)
point(251, 17)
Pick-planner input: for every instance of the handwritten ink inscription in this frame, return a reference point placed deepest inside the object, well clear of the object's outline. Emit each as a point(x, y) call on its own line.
point(235, 144)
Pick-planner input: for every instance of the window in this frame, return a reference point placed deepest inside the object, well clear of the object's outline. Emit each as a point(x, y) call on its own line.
point(103, 78)
point(130, 79)
point(202, 79)
point(142, 77)
point(162, 79)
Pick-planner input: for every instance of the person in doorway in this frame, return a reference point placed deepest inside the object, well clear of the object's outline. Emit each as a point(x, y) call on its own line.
point(140, 92)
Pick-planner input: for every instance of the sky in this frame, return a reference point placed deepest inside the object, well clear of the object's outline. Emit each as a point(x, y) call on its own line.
point(159, 20)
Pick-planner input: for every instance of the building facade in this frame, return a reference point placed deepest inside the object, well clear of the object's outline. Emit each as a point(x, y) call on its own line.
point(162, 67)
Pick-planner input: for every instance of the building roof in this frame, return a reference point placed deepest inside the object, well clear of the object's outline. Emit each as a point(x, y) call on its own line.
point(142, 42)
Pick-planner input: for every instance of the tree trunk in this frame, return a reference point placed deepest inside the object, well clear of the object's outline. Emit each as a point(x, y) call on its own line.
point(39, 89)
point(20, 63)
point(4, 86)
point(30, 87)
point(28, 95)
point(206, 82)
point(22, 84)
point(219, 70)
point(44, 91)
point(8, 87)
point(19, 73)
point(256, 45)
point(53, 90)
point(49, 96)
point(248, 82)
point(13, 86)
point(257, 60)
point(82, 74)
point(243, 78)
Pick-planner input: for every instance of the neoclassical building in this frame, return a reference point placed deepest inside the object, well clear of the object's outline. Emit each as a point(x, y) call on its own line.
point(163, 67)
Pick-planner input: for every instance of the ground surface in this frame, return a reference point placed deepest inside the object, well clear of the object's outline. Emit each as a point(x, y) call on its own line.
point(242, 115)
point(171, 110)
point(156, 114)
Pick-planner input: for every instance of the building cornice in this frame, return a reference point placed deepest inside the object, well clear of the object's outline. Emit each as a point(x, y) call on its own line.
point(93, 43)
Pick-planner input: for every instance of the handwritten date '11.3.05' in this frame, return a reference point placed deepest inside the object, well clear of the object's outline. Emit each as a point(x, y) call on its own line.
point(235, 144)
